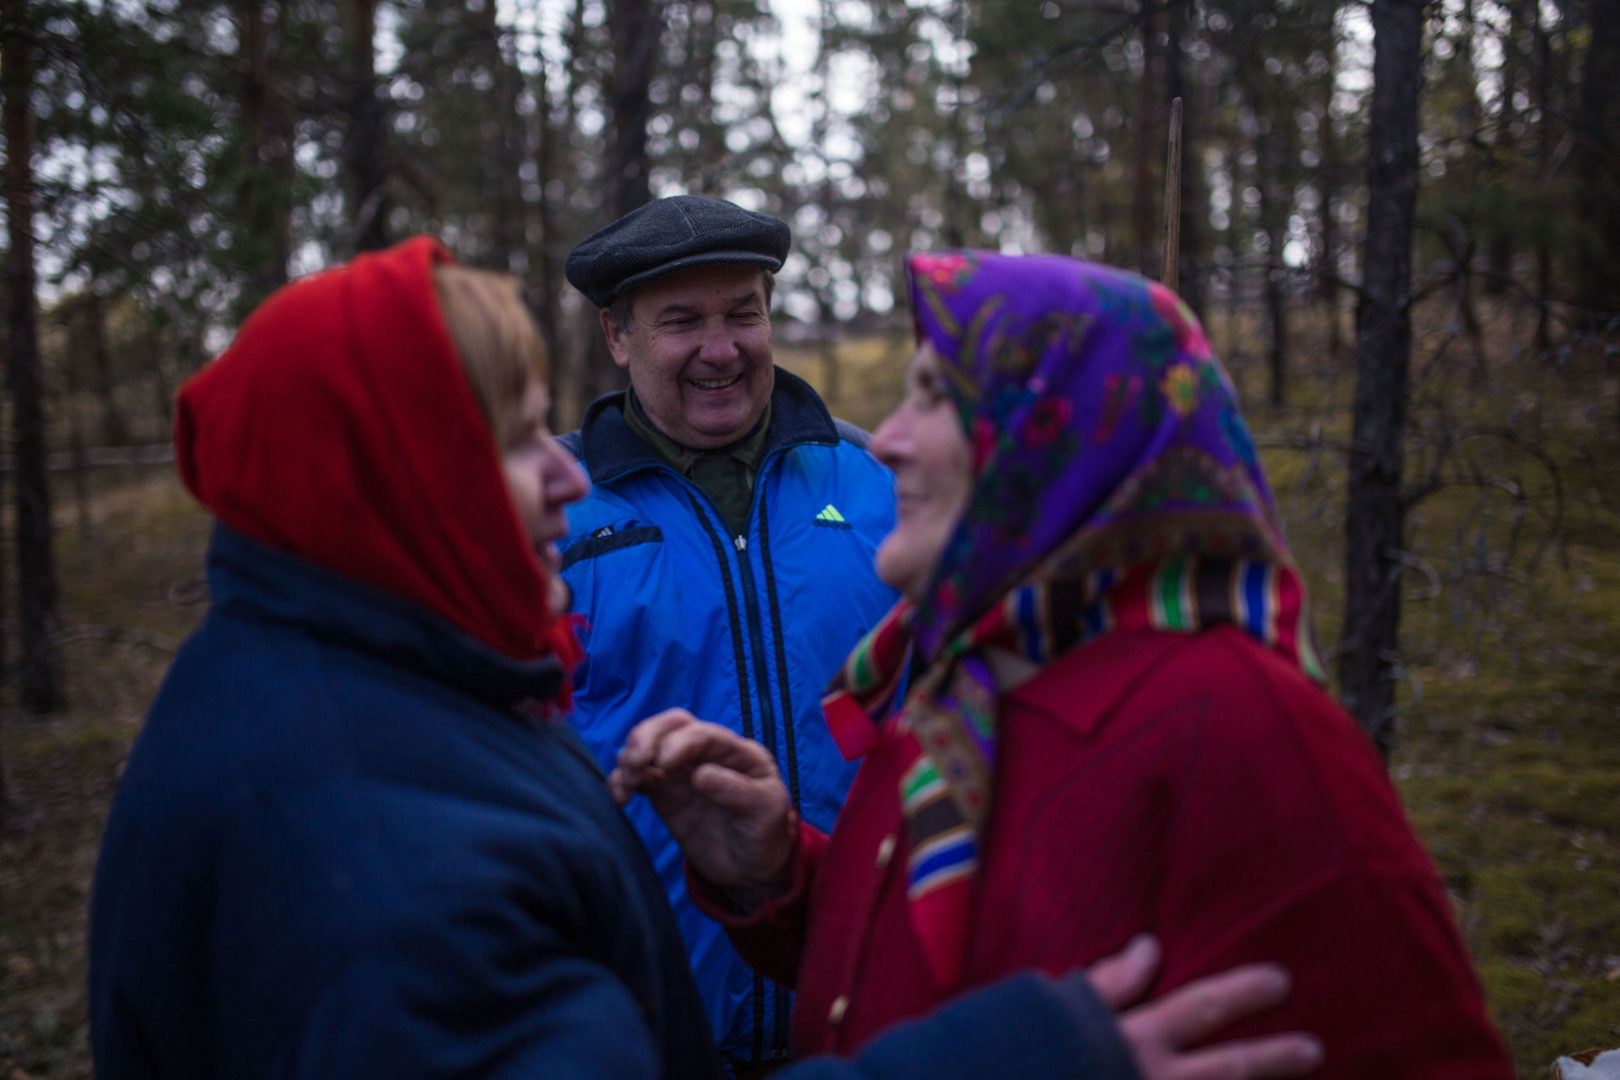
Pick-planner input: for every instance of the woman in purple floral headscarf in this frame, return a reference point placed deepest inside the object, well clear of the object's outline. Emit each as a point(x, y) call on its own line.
point(1113, 722)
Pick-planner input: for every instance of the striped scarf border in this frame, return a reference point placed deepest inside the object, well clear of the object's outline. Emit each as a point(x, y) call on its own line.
point(1184, 594)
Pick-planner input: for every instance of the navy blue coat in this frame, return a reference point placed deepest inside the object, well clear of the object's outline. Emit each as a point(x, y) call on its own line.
point(336, 852)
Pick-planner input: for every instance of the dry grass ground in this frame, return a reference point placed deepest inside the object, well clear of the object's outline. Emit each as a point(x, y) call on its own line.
point(131, 589)
point(1507, 759)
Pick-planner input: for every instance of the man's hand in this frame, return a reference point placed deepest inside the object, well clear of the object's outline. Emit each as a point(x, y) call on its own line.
point(1160, 1032)
point(719, 794)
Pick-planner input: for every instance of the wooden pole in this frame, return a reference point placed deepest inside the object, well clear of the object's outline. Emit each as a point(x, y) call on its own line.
point(1170, 269)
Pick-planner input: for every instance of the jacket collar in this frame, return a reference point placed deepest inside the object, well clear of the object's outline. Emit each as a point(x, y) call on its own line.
point(249, 578)
point(611, 449)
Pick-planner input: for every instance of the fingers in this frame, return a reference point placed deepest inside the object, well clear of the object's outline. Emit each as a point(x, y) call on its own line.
point(635, 770)
point(624, 783)
point(739, 793)
point(641, 745)
point(1252, 1059)
point(694, 744)
point(1203, 1007)
point(620, 787)
point(1158, 1031)
point(673, 743)
point(1124, 977)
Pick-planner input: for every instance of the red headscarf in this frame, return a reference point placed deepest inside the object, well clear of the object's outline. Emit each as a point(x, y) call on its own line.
point(340, 427)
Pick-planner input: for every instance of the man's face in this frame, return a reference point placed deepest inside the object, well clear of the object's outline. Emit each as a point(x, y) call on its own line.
point(699, 352)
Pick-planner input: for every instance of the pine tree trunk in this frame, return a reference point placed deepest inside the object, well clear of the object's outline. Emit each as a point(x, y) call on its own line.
point(1600, 161)
point(1271, 221)
point(636, 32)
point(1194, 198)
point(367, 166)
point(1499, 250)
point(41, 679)
point(1332, 173)
point(113, 428)
point(503, 149)
point(1544, 146)
point(635, 50)
point(265, 192)
point(1375, 514)
point(545, 267)
point(1146, 224)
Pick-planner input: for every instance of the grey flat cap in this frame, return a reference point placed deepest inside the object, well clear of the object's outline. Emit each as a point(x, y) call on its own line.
point(673, 234)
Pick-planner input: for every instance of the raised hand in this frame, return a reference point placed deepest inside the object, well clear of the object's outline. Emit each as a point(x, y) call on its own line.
point(720, 796)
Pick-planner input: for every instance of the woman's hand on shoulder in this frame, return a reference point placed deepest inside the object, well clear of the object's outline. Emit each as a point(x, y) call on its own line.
point(720, 796)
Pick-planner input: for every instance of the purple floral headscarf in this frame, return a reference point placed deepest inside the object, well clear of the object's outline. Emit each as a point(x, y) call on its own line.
point(1114, 485)
point(1103, 428)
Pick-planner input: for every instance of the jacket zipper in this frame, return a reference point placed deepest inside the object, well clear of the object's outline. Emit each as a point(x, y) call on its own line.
point(740, 543)
point(767, 726)
point(740, 660)
point(790, 740)
point(756, 639)
point(779, 995)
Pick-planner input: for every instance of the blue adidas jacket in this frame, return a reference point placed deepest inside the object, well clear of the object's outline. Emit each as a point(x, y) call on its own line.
point(743, 631)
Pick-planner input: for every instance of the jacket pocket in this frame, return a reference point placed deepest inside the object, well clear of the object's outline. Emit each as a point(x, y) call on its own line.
point(589, 547)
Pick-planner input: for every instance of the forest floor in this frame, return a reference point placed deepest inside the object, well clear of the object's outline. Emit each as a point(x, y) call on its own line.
point(1507, 752)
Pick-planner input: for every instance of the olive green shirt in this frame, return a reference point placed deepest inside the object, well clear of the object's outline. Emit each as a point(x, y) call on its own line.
point(726, 474)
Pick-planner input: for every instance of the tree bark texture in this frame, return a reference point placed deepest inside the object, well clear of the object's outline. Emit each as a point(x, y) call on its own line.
point(1273, 163)
point(1375, 513)
point(1600, 162)
point(1194, 197)
point(545, 265)
point(636, 31)
point(503, 148)
point(367, 165)
point(1332, 176)
point(265, 191)
point(113, 427)
point(1145, 223)
point(1544, 149)
point(40, 690)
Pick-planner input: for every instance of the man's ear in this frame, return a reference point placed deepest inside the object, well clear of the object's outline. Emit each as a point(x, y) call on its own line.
point(616, 343)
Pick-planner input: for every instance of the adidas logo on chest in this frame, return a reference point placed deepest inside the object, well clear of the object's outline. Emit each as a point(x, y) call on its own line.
point(830, 518)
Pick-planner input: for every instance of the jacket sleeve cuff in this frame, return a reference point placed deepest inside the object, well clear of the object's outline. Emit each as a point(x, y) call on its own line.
point(1025, 1025)
point(808, 844)
point(1098, 1028)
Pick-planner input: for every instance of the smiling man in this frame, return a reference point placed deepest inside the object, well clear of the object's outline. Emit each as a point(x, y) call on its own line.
point(723, 559)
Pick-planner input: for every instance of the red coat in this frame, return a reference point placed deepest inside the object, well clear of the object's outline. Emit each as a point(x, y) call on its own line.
point(1193, 785)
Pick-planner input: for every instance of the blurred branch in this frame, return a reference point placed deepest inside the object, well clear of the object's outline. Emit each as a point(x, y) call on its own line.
point(112, 635)
point(1422, 566)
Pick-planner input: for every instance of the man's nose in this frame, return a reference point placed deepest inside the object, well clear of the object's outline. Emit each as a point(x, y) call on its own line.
point(719, 343)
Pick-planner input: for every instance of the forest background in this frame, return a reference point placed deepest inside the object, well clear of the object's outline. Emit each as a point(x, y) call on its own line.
point(1400, 221)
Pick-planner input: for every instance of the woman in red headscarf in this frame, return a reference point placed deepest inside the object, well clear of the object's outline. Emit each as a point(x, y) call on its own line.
point(352, 838)
point(1113, 724)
